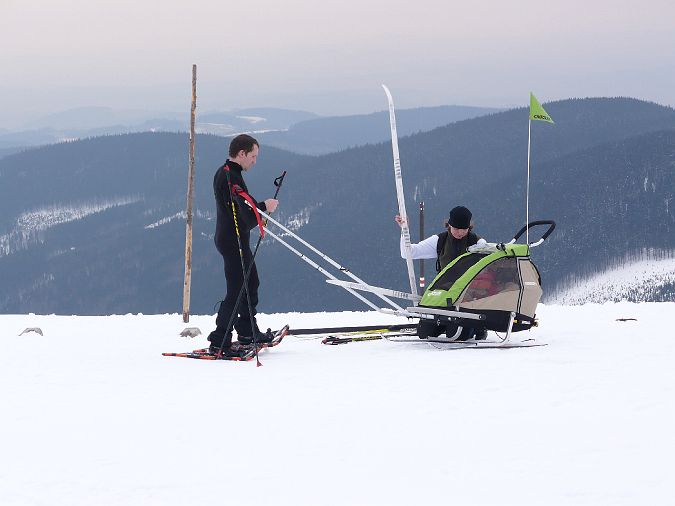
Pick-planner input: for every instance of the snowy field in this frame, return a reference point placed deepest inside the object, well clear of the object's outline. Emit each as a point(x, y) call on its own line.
point(92, 414)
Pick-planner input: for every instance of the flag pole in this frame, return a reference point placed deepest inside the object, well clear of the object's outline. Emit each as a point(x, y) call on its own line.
point(422, 281)
point(537, 112)
point(527, 191)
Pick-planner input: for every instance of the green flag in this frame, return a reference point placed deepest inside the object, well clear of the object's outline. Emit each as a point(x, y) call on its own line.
point(537, 112)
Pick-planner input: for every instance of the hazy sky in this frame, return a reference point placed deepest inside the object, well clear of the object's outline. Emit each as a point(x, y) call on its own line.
point(329, 57)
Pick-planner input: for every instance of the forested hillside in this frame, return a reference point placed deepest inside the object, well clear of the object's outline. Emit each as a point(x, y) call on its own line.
point(95, 226)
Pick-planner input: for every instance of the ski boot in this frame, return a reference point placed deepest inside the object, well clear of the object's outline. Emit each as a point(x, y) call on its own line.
point(481, 334)
point(219, 341)
point(429, 328)
point(260, 338)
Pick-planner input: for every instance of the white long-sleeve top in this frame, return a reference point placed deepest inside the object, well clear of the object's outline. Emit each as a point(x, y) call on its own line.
point(424, 249)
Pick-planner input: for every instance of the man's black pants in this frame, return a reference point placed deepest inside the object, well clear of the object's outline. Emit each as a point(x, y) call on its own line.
point(235, 280)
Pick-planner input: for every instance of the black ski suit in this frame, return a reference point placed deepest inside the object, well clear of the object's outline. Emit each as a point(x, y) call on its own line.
point(227, 245)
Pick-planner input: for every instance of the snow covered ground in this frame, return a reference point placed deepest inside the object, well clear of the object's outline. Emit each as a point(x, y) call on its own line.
point(92, 414)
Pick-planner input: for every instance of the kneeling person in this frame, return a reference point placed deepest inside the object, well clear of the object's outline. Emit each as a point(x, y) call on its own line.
point(444, 247)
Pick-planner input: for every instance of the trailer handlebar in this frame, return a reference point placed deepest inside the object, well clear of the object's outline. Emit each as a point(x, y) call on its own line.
point(548, 232)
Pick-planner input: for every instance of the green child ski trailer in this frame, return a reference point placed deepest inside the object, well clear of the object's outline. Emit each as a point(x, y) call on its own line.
point(492, 287)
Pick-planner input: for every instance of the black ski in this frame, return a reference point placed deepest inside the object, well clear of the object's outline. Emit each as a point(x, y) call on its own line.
point(357, 329)
point(356, 337)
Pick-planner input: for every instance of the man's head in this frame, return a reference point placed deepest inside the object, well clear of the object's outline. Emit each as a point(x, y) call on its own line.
point(460, 222)
point(244, 151)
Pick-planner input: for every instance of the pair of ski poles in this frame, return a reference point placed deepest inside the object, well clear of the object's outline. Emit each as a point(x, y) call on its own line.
point(247, 271)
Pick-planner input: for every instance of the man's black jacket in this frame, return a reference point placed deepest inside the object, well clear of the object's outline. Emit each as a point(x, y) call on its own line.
point(226, 237)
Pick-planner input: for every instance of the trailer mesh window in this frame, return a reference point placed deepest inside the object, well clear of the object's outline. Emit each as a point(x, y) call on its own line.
point(499, 277)
point(454, 272)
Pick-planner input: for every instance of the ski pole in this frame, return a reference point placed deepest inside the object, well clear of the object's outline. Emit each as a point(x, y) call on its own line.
point(243, 270)
point(277, 182)
point(247, 272)
point(327, 259)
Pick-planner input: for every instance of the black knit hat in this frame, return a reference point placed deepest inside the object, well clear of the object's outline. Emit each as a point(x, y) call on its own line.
point(460, 217)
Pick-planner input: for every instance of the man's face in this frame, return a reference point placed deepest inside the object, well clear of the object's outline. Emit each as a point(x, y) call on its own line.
point(458, 233)
point(247, 160)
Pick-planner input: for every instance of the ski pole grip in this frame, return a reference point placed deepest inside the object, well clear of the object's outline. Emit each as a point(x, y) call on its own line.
point(279, 181)
point(548, 232)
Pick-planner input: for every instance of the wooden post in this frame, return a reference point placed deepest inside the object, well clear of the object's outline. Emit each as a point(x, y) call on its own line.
point(188, 225)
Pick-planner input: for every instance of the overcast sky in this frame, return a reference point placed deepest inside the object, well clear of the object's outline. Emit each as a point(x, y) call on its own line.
point(329, 57)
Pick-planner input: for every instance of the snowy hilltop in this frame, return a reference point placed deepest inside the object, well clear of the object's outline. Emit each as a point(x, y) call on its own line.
point(647, 276)
point(94, 414)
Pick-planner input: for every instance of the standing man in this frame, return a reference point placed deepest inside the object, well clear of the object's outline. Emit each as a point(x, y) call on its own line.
point(243, 154)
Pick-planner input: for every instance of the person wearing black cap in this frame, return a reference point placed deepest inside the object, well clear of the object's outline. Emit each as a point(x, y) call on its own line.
point(448, 245)
point(445, 247)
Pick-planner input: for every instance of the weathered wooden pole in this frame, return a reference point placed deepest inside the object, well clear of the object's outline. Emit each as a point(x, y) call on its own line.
point(188, 224)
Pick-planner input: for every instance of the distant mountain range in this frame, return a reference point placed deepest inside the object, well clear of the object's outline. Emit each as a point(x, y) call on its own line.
point(326, 135)
point(87, 122)
point(92, 118)
point(298, 131)
point(95, 226)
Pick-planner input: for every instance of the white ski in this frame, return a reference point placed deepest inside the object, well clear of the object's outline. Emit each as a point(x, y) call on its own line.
point(444, 312)
point(405, 230)
point(396, 308)
point(467, 345)
point(321, 269)
point(375, 289)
